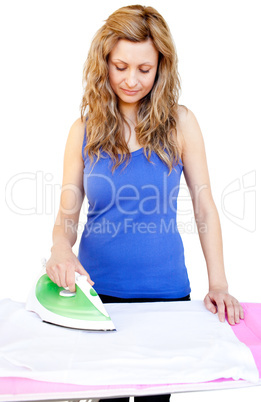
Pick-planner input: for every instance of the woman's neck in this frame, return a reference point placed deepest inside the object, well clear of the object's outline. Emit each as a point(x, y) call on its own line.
point(129, 112)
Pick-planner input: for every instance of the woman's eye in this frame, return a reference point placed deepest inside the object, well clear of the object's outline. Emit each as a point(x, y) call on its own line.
point(124, 68)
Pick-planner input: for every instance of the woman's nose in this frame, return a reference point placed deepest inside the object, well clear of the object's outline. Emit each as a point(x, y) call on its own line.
point(131, 79)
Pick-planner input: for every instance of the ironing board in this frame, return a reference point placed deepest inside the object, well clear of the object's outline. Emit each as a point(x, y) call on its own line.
point(14, 388)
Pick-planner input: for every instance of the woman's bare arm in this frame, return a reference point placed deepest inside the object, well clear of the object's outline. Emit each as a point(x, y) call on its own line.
point(63, 263)
point(206, 216)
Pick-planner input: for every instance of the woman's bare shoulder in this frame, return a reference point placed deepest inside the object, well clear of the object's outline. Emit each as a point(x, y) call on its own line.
point(78, 126)
point(189, 135)
point(76, 133)
point(74, 143)
point(186, 124)
point(185, 117)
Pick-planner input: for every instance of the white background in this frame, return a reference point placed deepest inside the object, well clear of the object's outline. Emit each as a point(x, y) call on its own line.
point(43, 48)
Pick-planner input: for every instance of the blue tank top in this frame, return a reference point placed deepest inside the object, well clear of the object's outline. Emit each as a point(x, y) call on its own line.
point(130, 244)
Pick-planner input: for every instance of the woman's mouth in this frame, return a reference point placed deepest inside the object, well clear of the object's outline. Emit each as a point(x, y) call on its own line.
point(129, 92)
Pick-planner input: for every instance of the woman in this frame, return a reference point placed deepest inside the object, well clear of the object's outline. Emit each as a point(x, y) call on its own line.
point(127, 154)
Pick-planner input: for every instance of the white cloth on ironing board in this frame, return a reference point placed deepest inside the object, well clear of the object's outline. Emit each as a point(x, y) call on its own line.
point(155, 343)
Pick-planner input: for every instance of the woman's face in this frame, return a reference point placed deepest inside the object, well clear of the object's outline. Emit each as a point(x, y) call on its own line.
point(132, 69)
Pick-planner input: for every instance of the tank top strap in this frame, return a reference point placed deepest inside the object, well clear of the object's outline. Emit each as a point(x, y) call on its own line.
point(84, 142)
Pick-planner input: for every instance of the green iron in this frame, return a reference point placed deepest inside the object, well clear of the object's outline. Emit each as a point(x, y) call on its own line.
point(82, 309)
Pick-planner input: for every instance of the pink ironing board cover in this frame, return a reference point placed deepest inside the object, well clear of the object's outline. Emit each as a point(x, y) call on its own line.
point(248, 332)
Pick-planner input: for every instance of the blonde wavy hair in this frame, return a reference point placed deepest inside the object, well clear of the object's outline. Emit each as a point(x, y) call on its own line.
point(157, 112)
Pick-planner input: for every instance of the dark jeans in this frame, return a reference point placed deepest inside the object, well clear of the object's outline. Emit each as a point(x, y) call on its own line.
point(112, 299)
point(149, 398)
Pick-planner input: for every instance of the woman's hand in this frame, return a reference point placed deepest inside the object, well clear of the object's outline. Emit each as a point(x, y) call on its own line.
point(62, 265)
point(221, 301)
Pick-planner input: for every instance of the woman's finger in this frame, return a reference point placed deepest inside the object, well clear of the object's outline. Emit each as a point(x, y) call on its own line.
point(70, 279)
point(230, 311)
point(83, 271)
point(209, 305)
point(221, 310)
